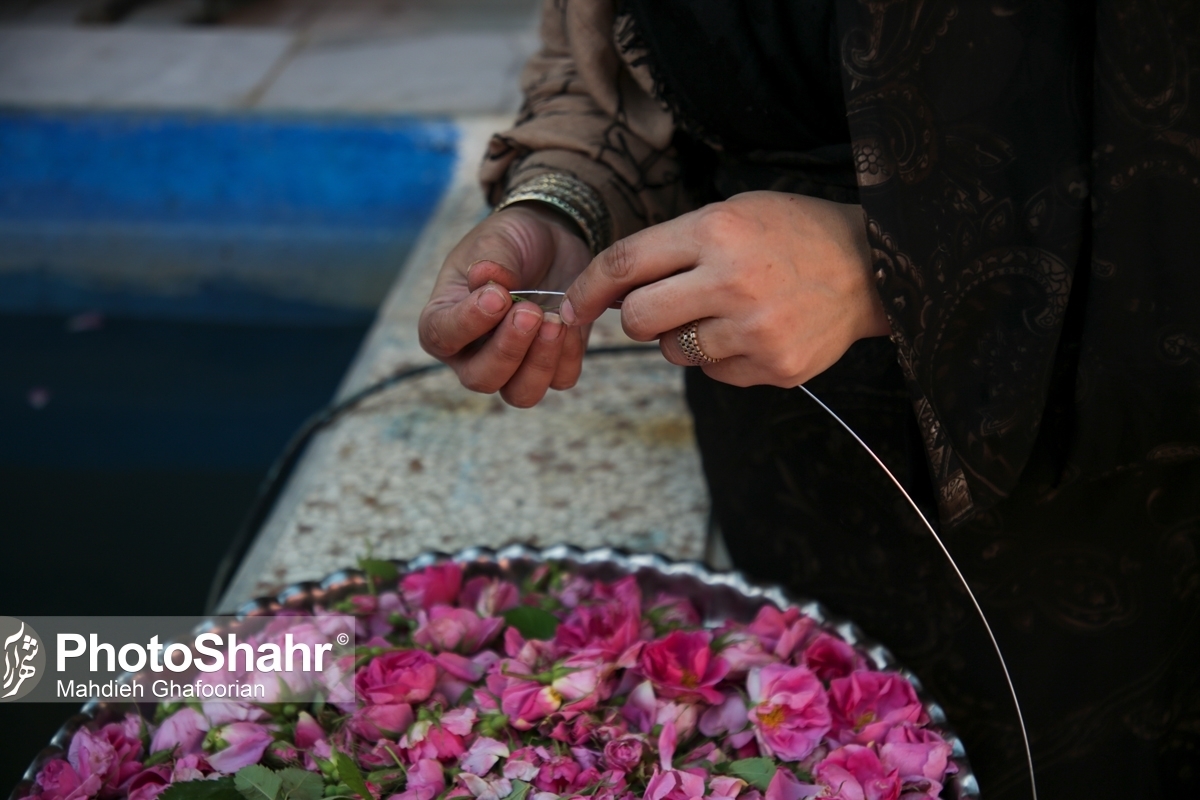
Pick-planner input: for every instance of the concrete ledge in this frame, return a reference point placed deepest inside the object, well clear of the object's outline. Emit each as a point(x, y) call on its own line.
point(429, 465)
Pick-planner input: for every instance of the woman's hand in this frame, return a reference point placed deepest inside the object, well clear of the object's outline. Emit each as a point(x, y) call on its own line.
point(780, 283)
point(525, 246)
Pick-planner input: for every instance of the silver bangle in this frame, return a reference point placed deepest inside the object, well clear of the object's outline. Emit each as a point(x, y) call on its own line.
point(571, 196)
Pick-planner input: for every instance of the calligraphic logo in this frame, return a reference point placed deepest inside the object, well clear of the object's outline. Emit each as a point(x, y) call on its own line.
point(22, 659)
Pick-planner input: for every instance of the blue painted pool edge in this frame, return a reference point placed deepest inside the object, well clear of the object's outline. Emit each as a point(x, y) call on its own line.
point(248, 218)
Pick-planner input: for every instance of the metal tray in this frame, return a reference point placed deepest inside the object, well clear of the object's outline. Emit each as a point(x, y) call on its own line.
point(718, 596)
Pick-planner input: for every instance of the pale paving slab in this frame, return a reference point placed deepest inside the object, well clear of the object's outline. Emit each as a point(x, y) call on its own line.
point(431, 466)
point(314, 56)
point(432, 72)
point(135, 68)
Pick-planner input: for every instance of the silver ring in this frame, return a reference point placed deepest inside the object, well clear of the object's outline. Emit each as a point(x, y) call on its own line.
point(691, 345)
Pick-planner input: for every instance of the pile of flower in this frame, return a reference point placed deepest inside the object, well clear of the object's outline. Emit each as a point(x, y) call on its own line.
point(562, 687)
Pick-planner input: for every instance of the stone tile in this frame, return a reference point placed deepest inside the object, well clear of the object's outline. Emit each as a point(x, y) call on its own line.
point(435, 73)
point(131, 67)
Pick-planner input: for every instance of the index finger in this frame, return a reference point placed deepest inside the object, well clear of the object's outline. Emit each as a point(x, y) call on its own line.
point(645, 257)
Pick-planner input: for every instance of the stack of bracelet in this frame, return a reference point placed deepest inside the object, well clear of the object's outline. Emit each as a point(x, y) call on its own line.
point(571, 196)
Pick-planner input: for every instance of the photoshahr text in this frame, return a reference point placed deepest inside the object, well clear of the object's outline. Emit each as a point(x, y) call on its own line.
point(208, 657)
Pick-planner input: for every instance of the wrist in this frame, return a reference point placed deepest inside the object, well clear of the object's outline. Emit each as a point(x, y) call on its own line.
point(569, 198)
point(549, 214)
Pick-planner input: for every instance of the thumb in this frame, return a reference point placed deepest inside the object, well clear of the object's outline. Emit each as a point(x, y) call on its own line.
point(515, 250)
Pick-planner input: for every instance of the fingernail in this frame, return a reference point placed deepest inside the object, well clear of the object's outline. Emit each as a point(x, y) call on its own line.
point(567, 311)
point(551, 327)
point(491, 301)
point(525, 320)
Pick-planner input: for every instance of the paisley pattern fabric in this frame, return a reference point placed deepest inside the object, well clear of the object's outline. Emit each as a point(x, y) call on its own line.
point(1030, 176)
point(969, 127)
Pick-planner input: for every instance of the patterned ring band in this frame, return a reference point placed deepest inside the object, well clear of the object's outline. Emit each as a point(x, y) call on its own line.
point(691, 345)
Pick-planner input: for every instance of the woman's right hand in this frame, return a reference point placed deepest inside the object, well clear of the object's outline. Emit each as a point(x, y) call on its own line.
point(471, 323)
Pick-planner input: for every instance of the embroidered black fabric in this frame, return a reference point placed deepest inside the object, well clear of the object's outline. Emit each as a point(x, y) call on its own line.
point(1031, 178)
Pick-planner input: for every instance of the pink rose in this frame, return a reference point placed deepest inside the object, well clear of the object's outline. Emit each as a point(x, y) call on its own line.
point(743, 650)
point(459, 630)
point(682, 665)
point(585, 683)
point(483, 755)
point(311, 739)
point(786, 786)
point(381, 755)
point(611, 627)
point(243, 744)
point(866, 705)
point(191, 768)
point(728, 717)
point(668, 783)
point(782, 632)
point(373, 723)
point(670, 611)
point(183, 731)
point(557, 774)
point(492, 788)
point(854, 772)
point(684, 716)
point(441, 739)
point(588, 777)
point(219, 712)
point(612, 786)
point(435, 585)
point(405, 676)
point(285, 752)
point(920, 756)
point(525, 701)
point(624, 754)
point(724, 787)
point(489, 596)
point(791, 712)
point(829, 657)
point(426, 780)
point(150, 783)
point(110, 753)
point(573, 590)
point(523, 764)
point(374, 614)
point(674, 784)
point(641, 707)
point(58, 780)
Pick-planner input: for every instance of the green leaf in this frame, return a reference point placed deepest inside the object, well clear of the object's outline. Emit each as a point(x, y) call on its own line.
point(300, 784)
point(159, 757)
point(348, 772)
point(755, 771)
point(378, 569)
point(386, 776)
point(221, 789)
point(532, 623)
point(520, 790)
point(256, 782)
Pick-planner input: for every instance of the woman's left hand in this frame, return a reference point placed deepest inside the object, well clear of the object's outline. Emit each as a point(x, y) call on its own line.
point(781, 285)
